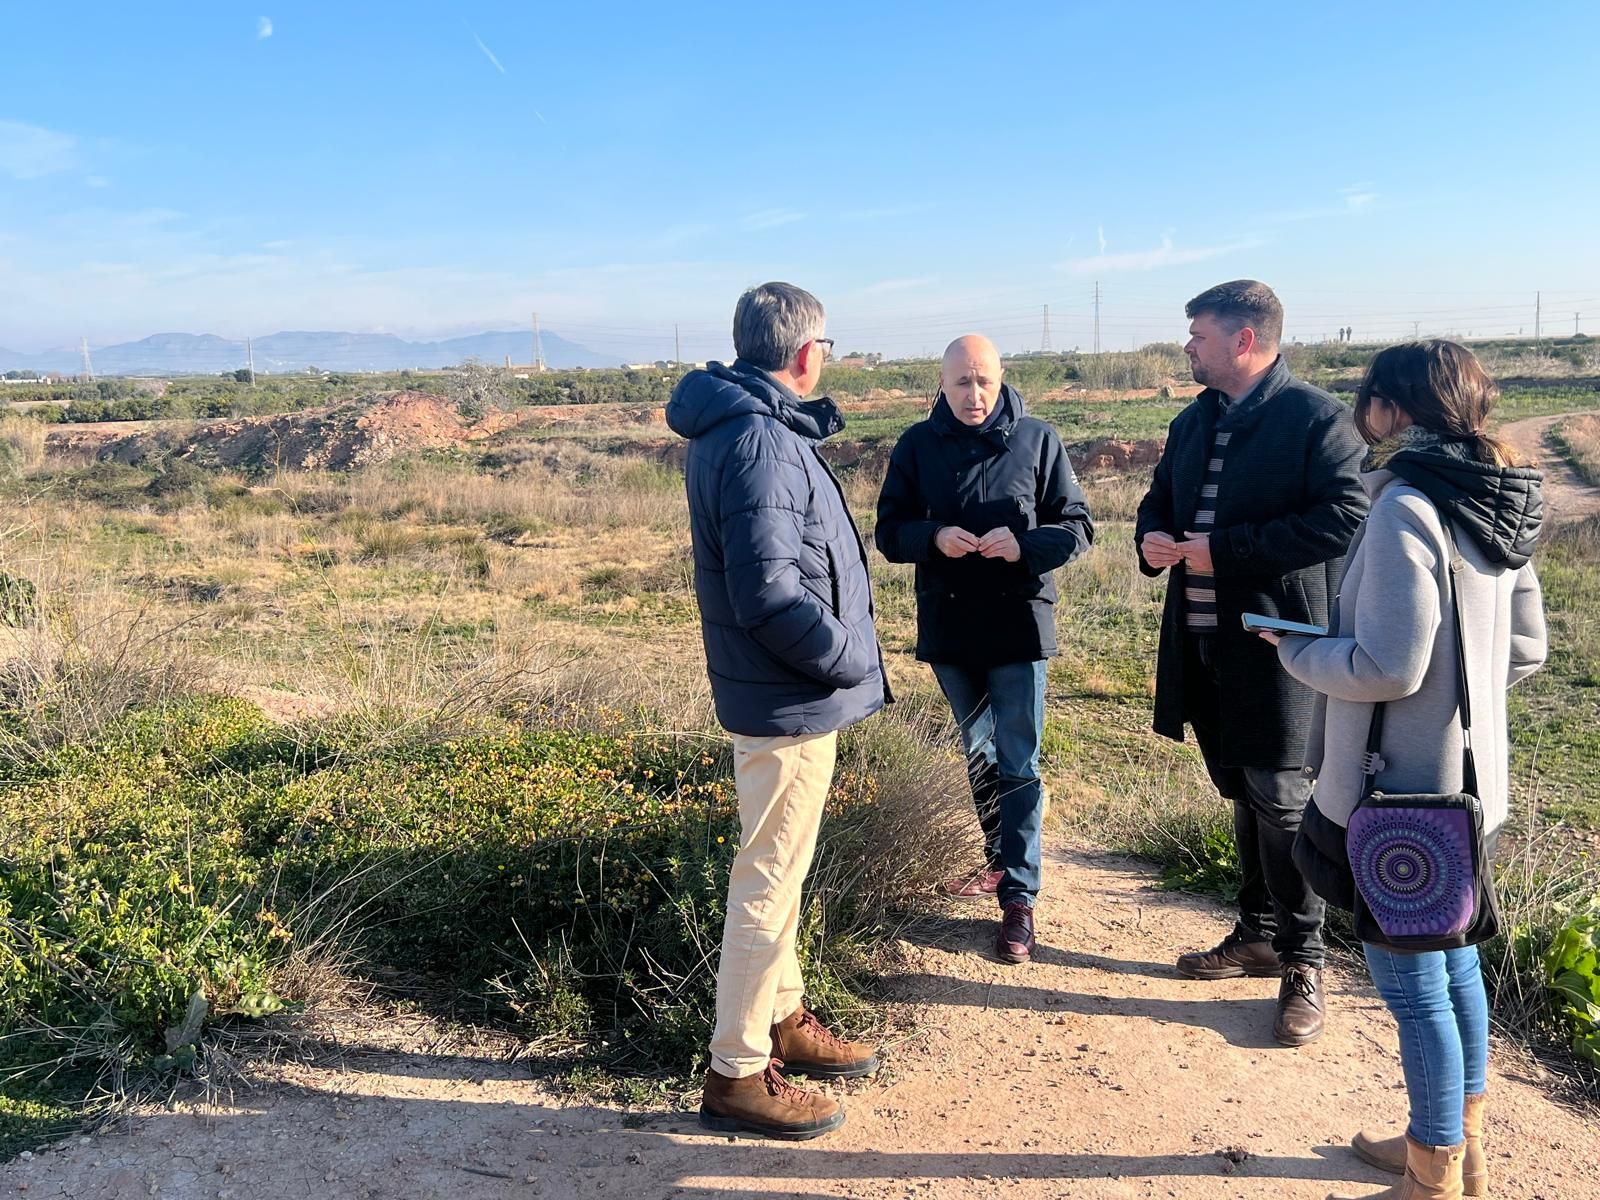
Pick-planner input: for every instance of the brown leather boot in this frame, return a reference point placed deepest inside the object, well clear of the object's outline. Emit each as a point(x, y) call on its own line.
point(808, 1047)
point(1432, 1173)
point(1301, 1005)
point(1232, 958)
point(1389, 1153)
point(767, 1104)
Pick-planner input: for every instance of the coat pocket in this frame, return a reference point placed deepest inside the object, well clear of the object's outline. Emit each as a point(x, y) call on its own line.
point(833, 578)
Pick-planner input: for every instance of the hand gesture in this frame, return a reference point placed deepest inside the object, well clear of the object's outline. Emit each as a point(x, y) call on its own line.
point(1000, 543)
point(1160, 549)
point(1197, 551)
point(952, 541)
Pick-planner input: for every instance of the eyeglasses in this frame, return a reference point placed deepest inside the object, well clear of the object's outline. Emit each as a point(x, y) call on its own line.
point(827, 347)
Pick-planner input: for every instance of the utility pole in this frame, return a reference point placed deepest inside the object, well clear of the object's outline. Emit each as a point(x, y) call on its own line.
point(1575, 317)
point(1097, 316)
point(1416, 330)
point(538, 346)
point(88, 367)
point(677, 347)
point(1538, 312)
point(1044, 342)
point(250, 360)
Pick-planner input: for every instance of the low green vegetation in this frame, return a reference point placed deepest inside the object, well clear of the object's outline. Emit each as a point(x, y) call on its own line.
point(558, 872)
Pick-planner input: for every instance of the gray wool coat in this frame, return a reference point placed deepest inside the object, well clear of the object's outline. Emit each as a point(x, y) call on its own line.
point(1392, 639)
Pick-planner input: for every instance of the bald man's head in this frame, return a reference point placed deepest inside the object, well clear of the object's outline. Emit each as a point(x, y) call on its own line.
point(970, 378)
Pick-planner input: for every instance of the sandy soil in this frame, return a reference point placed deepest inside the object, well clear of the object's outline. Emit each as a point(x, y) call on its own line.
point(1566, 496)
point(1093, 1072)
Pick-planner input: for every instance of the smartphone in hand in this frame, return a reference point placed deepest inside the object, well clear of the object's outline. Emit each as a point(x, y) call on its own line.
point(1256, 623)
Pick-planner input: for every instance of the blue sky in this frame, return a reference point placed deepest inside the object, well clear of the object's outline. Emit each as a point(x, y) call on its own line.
point(431, 170)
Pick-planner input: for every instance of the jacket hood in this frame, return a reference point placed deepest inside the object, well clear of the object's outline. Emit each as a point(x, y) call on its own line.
point(706, 398)
point(1008, 410)
point(1499, 508)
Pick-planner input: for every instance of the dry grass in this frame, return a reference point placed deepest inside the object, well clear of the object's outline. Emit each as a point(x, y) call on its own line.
point(21, 442)
point(1579, 440)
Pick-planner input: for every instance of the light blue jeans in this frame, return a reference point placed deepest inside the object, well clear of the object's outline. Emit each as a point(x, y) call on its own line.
point(1439, 1003)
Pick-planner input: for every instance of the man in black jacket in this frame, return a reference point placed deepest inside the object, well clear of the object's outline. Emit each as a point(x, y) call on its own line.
point(981, 497)
point(1253, 505)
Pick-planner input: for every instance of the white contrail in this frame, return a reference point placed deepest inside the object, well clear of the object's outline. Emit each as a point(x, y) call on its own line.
point(263, 28)
point(489, 54)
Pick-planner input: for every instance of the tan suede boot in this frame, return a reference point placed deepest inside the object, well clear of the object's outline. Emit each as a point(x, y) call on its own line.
point(808, 1047)
point(1474, 1167)
point(1432, 1173)
point(767, 1104)
point(1389, 1153)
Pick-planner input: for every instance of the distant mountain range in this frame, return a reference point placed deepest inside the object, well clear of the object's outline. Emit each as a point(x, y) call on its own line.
point(205, 353)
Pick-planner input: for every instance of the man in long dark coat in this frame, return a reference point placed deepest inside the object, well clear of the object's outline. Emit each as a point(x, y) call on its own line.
point(1253, 505)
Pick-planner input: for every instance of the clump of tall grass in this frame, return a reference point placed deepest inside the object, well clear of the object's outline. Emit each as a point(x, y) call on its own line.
point(1147, 368)
point(21, 443)
point(1578, 439)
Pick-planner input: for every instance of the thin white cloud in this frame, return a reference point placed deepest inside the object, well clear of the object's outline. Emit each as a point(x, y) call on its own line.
point(1353, 200)
point(263, 28)
point(677, 235)
point(885, 212)
point(1100, 232)
point(886, 286)
point(489, 54)
point(97, 181)
point(771, 218)
point(32, 152)
point(1165, 255)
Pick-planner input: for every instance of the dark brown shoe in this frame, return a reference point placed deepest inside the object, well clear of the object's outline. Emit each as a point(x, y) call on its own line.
point(1301, 1006)
point(767, 1104)
point(1016, 941)
point(808, 1047)
point(1232, 958)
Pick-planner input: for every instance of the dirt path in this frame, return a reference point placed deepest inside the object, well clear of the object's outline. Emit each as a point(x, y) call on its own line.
point(1094, 1072)
point(1566, 496)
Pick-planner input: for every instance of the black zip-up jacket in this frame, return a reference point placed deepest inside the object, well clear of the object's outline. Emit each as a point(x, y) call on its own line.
point(1013, 471)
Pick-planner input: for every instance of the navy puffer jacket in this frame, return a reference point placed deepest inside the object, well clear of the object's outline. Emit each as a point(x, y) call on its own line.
point(779, 570)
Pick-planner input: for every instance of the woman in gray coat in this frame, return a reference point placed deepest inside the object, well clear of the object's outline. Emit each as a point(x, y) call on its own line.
point(1423, 407)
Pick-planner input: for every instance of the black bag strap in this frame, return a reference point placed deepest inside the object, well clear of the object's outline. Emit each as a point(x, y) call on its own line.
point(1373, 762)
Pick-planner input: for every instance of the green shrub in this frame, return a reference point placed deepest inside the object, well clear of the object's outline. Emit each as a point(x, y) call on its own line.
point(1572, 971)
point(19, 599)
point(572, 882)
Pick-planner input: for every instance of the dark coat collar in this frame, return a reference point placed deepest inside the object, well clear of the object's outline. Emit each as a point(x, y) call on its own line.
point(996, 429)
point(1244, 410)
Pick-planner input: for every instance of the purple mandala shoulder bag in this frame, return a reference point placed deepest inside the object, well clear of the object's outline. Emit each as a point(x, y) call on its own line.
point(1423, 875)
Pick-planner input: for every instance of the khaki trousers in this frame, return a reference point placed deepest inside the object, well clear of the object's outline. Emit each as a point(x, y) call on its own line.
point(782, 783)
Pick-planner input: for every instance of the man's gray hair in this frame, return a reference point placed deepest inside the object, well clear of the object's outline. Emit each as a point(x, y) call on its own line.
point(773, 321)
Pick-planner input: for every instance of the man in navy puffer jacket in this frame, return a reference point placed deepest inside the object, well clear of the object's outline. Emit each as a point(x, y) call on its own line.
point(780, 574)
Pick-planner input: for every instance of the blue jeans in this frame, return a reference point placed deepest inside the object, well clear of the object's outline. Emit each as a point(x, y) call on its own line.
point(1001, 714)
point(1441, 1008)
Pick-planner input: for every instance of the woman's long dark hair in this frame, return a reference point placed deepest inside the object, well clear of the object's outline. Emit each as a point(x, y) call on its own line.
point(1442, 387)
